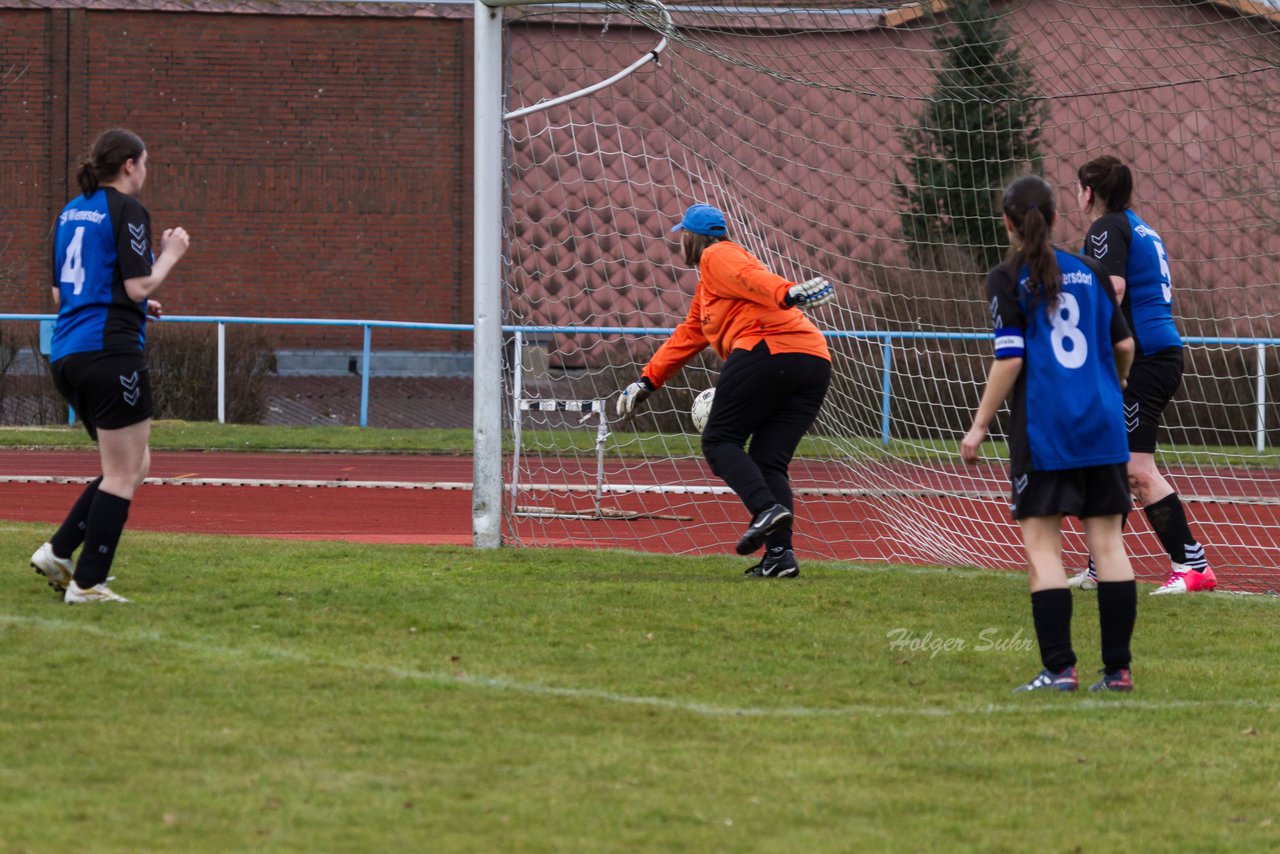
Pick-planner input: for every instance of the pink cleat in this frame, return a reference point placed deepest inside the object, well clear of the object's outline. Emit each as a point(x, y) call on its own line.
point(1184, 580)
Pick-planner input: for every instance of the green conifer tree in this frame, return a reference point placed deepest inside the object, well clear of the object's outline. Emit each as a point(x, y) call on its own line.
point(979, 128)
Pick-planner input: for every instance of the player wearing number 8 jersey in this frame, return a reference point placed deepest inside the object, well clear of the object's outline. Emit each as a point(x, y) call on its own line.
point(1133, 255)
point(1062, 350)
point(104, 272)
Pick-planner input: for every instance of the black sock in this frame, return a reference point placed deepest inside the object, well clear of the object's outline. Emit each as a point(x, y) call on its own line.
point(68, 538)
point(1168, 519)
point(1117, 611)
point(107, 515)
point(1051, 612)
point(779, 539)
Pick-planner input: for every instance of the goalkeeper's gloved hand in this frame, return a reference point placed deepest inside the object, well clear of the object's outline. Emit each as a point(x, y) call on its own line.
point(811, 294)
point(632, 396)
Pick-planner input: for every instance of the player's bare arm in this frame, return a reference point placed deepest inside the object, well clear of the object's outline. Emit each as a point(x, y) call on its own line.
point(1000, 382)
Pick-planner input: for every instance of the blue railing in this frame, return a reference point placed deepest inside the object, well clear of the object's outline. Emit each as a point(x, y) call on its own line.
point(367, 326)
point(887, 339)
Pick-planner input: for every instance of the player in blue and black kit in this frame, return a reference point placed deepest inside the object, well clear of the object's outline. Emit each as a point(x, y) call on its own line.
point(104, 272)
point(1062, 351)
point(1133, 256)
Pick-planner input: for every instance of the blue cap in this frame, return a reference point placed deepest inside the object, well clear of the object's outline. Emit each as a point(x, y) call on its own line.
point(703, 219)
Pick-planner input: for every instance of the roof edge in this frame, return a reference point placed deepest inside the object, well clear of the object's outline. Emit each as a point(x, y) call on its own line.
point(326, 8)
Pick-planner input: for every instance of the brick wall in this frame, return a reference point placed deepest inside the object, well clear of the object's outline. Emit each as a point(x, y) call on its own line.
point(27, 135)
point(321, 164)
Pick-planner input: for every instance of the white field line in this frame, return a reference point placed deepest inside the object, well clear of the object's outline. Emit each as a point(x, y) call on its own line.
point(498, 683)
point(237, 481)
point(586, 488)
point(608, 488)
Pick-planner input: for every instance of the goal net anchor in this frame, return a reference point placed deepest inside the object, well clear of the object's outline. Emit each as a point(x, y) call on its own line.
point(595, 408)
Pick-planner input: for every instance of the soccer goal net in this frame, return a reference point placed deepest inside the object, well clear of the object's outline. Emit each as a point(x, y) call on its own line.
point(869, 143)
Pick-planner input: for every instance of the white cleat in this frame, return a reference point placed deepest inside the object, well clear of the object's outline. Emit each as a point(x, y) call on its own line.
point(58, 570)
point(1086, 579)
point(76, 594)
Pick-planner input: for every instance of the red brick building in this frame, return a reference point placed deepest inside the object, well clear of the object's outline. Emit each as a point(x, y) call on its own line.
point(317, 153)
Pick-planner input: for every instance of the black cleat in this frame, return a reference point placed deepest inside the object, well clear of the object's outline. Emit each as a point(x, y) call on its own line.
point(768, 520)
point(1121, 680)
point(778, 562)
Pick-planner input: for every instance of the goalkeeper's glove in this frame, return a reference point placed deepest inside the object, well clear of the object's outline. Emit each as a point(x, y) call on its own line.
point(811, 294)
point(632, 396)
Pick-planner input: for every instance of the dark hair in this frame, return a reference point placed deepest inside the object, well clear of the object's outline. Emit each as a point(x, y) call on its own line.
point(111, 151)
point(1029, 204)
point(1110, 180)
point(695, 244)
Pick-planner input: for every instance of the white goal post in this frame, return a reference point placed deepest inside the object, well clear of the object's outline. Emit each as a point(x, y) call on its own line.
point(489, 115)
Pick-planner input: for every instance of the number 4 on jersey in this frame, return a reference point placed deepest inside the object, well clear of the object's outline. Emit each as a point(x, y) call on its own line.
point(72, 272)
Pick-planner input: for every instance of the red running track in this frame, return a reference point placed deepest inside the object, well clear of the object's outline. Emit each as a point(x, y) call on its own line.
point(700, 523)
point(366, 515)
point(868, 528)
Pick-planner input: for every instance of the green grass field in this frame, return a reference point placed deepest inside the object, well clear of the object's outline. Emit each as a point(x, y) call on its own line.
point(263, 695)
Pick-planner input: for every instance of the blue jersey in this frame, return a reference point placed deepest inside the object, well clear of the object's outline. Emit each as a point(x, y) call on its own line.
point(98, 242)
point(1125, 246)
point(1067, 407)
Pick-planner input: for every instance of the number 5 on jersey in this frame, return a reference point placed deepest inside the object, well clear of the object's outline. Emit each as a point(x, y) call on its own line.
point(72, 272)
point(1166, 281)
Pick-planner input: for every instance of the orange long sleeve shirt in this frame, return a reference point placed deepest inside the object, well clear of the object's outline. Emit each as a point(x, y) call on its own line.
point(737, 304)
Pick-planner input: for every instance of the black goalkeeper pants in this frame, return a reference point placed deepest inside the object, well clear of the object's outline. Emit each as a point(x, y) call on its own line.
point(772, 400)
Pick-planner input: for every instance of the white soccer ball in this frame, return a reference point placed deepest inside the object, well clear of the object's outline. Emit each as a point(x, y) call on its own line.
point(701, 409)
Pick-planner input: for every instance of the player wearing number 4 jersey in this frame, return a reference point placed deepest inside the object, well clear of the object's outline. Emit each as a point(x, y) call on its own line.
point(104, 272)
point(1133, 255)
point(1062, 350)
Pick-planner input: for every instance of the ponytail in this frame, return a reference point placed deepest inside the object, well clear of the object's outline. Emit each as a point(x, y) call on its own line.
point(1110, 180)
point(1038, 255)
point(1030, 206)
point(111, 151)
point(87, 177)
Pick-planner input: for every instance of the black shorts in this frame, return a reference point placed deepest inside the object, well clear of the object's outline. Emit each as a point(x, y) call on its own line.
point(1153, 381)
point(1085, 492)
point(108, 391)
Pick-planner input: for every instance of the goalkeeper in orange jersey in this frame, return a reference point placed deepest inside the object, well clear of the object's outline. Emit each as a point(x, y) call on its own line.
point(776, 373)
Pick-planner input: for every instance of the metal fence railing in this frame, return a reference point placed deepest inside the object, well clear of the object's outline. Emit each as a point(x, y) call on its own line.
point(889, 342)
point(221, 322)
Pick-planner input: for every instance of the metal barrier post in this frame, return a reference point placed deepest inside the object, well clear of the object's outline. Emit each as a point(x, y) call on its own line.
point(364, 377)
point(517, 384)
point(886, 390)
point(222, 373)
point(1261, 386)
